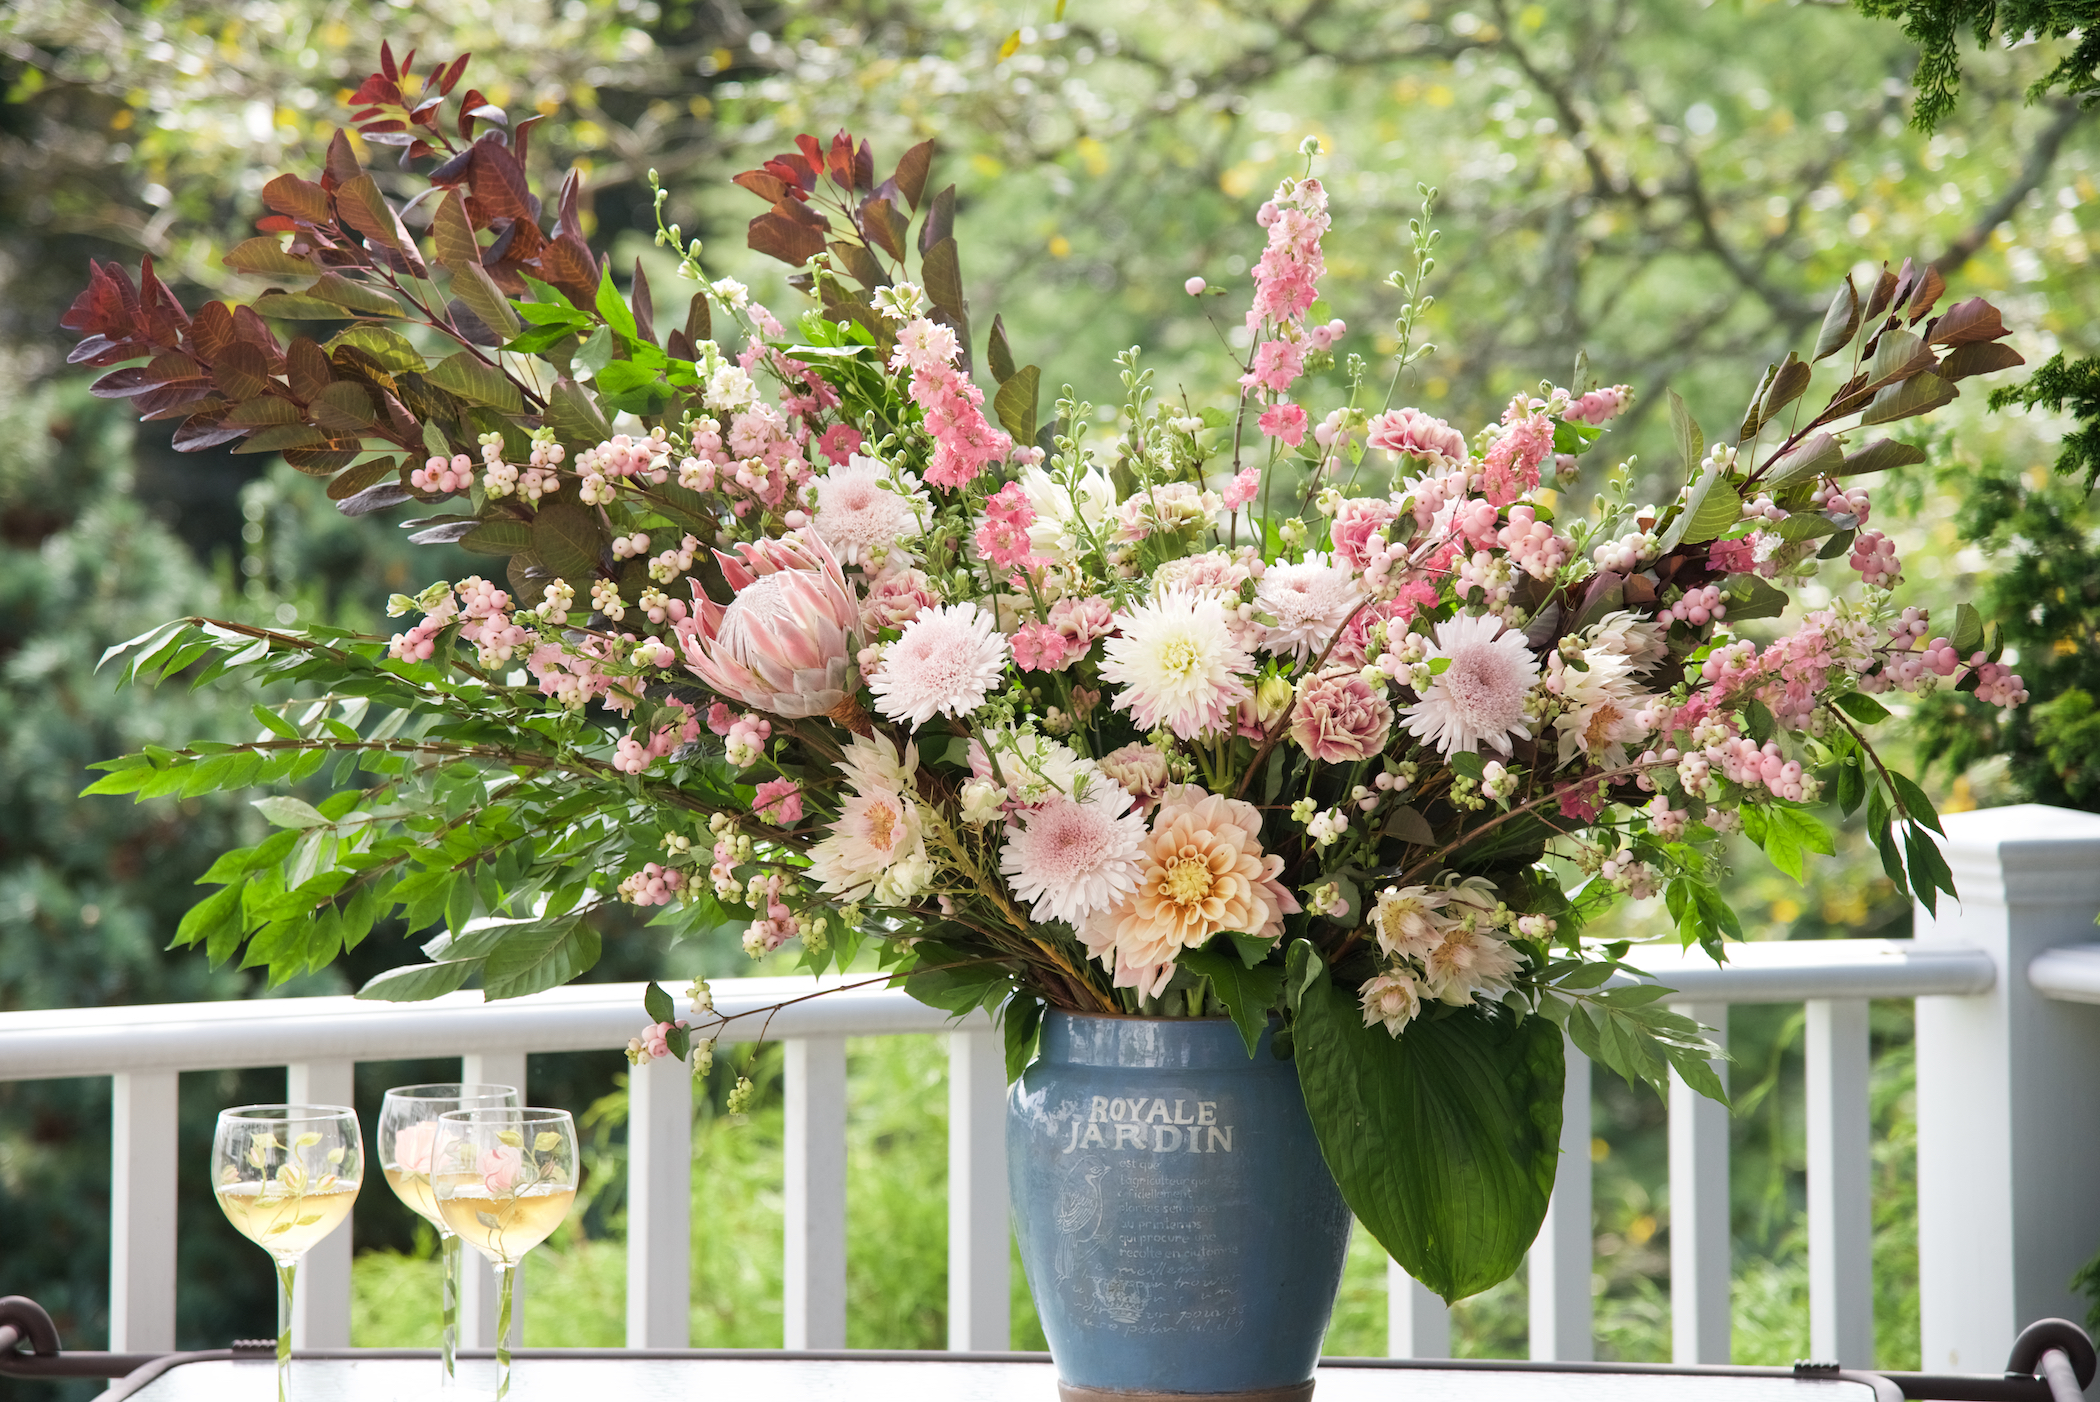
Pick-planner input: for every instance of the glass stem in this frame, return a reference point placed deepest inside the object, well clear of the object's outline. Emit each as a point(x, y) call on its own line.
point(448, 1248)
point(505, 1275)
point(285, 1270)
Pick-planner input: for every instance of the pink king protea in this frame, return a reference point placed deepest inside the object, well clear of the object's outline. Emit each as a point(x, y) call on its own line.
point(784, 644)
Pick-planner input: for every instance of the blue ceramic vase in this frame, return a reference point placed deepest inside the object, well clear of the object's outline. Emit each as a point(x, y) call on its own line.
point(1180, 1231)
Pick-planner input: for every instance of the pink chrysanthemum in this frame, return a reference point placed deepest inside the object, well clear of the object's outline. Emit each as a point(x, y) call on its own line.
point(1177, 665)
point(859, 514)
point(949, 659)
point(1478, 699)
point(1309, 600)
point(1074, 859)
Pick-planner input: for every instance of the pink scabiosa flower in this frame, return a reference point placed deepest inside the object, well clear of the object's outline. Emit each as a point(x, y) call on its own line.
point(779, 801)
point(1177, 665)
point(1285, 422)
point(861, 517)
point(1074, 856)
point(948, 660)
point(785, 643)
point(1479, 698)
point(1309, 601)
point(1340, 718)
point(1410, 433)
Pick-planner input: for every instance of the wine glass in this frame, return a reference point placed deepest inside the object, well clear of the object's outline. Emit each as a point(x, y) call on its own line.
point(504, 1180)
point(407, 1134)
point(286, 1176)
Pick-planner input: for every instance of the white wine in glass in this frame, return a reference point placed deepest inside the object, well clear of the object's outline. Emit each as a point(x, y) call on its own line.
point(286, 1176)
point(504, 1180)
point(407, 1135)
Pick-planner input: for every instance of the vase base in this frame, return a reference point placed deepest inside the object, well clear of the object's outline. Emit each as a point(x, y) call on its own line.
point(1292, 1392)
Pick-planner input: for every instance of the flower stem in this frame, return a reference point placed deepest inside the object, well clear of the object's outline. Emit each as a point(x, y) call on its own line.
point(285, 1270)
point(448, 1249)
point(506, 1276)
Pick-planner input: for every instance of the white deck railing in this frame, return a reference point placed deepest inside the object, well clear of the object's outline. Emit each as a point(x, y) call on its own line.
point(2008, 1125)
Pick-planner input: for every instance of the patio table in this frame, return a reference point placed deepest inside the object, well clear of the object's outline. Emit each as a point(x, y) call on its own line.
point(374, 1375)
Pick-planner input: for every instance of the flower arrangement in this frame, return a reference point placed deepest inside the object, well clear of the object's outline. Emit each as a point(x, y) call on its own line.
point(1346, 723)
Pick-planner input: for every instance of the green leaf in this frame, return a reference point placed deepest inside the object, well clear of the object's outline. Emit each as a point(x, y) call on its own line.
point(1691, 443)
point(614, 310)
point(415, 983)
point(389, 350)
point(1445, 1139)
point(540, 958)
point(1757, 719)
point(1712, 506)
point(1750, 597)
point(574, 416)
point(1839, 322)
point(954, 980)
point(624, 384)
point(204, 920)
point(657, 1004)
point(1469, 764)
point(1789, 834)
point(1016, 401)
point(288, 812)
point(1916, 806)
point(476, 381)
point(1862, 708)
point(1968, 630)
point(1247, 993)
point(1021, 1024)
point(565, 537)
point(1818, 453)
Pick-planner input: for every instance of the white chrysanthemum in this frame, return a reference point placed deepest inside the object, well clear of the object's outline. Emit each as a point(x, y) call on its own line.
point(948, 660)
point(1074, 859)
point(1177, 665)
point(1309, 601)
point(1478, 699)
point(1599, 706)
point(1056, 531)
point(858, 514)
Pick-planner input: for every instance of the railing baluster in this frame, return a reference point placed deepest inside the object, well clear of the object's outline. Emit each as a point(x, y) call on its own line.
point(659, 1205)
point(979, 1258)
point(477, 1283)
point(142, 1212)
point(1699, 1227)
point(1562, 1314)
point(321, 1293)
point(1840, 1185)
point(1417, 1324)
point(814, 1279)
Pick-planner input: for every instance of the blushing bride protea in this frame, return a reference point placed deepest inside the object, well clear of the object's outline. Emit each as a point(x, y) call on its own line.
point(785, 643)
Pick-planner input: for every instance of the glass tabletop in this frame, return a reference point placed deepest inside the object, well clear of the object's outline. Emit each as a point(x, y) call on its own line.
point(934, 1378)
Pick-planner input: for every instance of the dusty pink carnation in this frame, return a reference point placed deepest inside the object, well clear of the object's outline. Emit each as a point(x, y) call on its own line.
point(1038, 647)
point(779, 801)
point(1139, 768)
point(1082, 621)
point(896, 599)
point(1424, 437)
point(1340, 718)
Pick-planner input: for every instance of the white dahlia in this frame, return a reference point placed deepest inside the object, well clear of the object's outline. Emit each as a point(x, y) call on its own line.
point(860, 516)
point(1074, 859)
point(1478, 699)
point(1309, 601)
point(949, 659)
point(1177, 665)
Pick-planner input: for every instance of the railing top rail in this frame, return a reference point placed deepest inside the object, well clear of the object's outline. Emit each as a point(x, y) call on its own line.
point(2069, 973)
point(279, 1031)
point(1793, 971)
point(582, 1017)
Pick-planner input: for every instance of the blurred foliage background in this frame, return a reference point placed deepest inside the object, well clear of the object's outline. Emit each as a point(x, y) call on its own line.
point(1672, 189)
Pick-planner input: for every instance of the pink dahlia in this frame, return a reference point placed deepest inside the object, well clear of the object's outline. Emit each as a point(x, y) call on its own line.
point(1480, 697)
point(785, 643)
point(1074, 857)
point(948, 660)
point(1410, 433)
point(1340, 718)
point(1176, 664)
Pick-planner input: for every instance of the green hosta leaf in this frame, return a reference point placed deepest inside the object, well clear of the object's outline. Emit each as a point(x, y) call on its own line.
point(1248, 994)
point(1444, 1139)
point(540, 958)
point(417, 982)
